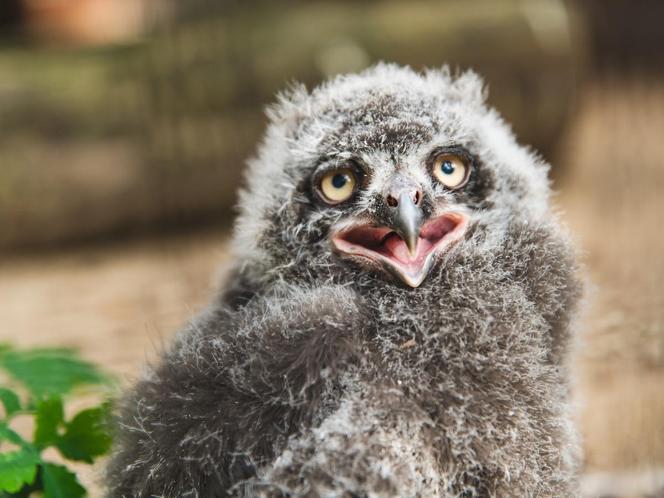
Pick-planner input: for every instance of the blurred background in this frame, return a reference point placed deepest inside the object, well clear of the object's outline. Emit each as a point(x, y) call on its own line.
point(125, 124)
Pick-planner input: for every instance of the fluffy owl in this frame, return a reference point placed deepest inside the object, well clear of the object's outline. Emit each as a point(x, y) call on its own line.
point(397, 322)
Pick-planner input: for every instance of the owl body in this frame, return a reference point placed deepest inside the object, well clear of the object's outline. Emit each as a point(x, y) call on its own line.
point(397, 321)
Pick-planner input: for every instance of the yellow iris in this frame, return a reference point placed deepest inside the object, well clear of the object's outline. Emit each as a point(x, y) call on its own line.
point(338, 185)
point(450, 170)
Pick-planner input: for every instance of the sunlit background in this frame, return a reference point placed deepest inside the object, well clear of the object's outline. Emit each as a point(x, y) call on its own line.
point(125, 124)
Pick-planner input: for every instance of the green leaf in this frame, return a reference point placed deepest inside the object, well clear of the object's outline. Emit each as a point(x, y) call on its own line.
point(87, 435)
point(60, 483)
point(47, 372)
point(10, 400)
point(17, 468)
point(48, 419)
point(8, 434)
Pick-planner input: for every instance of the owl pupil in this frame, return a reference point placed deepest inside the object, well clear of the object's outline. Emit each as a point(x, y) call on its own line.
point(447, 167)
point(338, 181)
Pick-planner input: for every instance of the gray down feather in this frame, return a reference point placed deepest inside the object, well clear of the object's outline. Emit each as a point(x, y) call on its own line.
point(314, 375)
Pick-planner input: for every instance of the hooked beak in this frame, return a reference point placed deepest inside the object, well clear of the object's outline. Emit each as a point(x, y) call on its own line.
point(405, 243)
point(407, 221)
point(386, 249)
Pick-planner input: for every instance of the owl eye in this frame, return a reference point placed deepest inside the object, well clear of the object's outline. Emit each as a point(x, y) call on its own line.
point(450, 170)
point(338, 185)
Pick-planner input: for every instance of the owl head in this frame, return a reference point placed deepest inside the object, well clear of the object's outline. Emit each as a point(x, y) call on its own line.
point(381, 176)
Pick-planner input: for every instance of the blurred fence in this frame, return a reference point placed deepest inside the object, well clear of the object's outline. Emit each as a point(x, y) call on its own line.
point(154, 131)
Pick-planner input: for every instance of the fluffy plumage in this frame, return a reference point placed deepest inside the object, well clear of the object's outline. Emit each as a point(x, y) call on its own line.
point(316, 376)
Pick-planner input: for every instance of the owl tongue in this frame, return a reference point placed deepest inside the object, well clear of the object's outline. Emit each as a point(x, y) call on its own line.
point(396, 248)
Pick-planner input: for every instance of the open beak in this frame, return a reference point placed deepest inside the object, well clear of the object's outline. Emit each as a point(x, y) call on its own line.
point(407, 249)
point(402, 241)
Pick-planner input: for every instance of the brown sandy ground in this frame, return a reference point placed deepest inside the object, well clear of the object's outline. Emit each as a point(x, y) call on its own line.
point(612, 200)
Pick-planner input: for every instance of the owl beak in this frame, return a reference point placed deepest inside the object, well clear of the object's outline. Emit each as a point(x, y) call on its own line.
point(407, 221)
point(403, 243)
point(384, 247)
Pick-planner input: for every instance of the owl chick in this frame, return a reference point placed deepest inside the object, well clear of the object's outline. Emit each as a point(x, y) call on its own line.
point(397, 321)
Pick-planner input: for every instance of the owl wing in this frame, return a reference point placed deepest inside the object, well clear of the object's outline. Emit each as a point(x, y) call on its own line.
point(234, 386)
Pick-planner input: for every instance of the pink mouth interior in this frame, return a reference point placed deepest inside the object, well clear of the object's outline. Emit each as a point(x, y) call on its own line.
point(384, 244)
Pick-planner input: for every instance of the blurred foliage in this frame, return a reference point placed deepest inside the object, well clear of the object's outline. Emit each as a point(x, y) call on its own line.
point(39, 379)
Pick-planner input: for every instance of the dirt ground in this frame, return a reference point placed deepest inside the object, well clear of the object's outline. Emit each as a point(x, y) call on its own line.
point(119, 303)
point(611, 197)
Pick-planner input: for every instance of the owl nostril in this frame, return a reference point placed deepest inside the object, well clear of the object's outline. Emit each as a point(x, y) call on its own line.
point(393, 201)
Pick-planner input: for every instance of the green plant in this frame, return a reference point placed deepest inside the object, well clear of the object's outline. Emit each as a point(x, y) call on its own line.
point(38, 382)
